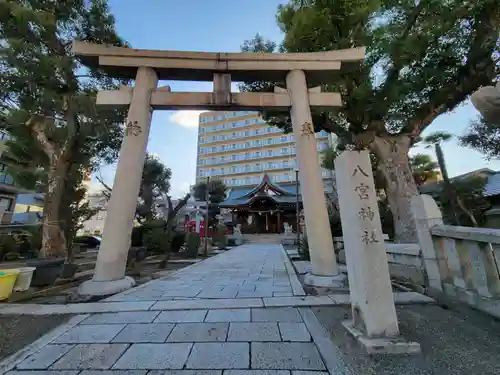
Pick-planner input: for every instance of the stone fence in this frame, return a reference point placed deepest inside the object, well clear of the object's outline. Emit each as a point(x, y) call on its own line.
point(460, 263)
point(405, 261)
point(457, 263)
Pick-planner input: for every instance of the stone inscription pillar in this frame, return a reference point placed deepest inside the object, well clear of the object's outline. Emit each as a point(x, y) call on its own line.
point(372, 302)
point(109, 275)
point(324, 265)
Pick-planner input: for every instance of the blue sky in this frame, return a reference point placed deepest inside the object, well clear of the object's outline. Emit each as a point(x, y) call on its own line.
point(222, 26)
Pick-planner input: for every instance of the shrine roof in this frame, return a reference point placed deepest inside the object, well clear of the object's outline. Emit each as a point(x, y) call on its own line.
point(279, 194)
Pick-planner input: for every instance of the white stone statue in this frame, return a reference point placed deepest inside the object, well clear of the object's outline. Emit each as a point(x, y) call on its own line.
point(288, 228)
point(237, 230)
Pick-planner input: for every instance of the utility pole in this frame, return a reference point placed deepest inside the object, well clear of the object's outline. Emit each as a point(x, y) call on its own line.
point(207, 202)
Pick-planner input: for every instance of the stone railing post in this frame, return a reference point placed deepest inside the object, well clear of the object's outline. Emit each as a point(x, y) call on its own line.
point(427, 215)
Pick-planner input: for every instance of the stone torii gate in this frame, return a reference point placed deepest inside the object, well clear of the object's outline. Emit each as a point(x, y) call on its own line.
point(296, 70)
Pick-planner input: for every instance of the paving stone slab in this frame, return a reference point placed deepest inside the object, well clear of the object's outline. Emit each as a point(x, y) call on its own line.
point(113, 372)
point(101, 307)
point(214, 294)
point(283, 314)
point(294, 332)
point(255, 294)
point(181, 316)
point(122, 317)
point(286, 355)
point(46, 372)
point(89, 334)
point(44, 357)
point(298, 301)
point(185, 372)
point(253, 332)
point(282, 294)
point(208, 304)
point(90, 356)
point(310, 373)
point(154, 357)
point(219, 355)
point(199, 332)
point(228, 315)
point(256, 372)
point(145, 333)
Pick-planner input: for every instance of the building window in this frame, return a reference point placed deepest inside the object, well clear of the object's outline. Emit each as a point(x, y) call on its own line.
point(283, 138)
point(284, 150)
point(269, 152)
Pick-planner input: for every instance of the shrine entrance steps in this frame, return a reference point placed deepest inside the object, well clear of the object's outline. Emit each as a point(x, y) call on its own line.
point(268, 238)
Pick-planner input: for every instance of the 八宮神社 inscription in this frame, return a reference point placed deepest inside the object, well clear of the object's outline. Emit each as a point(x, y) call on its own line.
point(133, 128)
point(366, 213)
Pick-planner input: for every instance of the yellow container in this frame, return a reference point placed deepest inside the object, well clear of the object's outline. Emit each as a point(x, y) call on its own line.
point(7, 281)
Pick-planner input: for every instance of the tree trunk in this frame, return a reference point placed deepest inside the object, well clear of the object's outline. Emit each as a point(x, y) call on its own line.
point(53, 239)
point(400, 187)
point(456, 203)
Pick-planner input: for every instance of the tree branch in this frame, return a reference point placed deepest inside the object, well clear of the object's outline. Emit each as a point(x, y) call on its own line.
point(393, 73)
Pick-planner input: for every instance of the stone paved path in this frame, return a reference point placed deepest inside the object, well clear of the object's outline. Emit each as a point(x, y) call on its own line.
point(216, 340)
point(249, 271)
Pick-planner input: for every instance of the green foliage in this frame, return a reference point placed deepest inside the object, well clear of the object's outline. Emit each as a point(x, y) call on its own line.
point(137, 236)
point(386, 217)
point(216, 190)
point(178, 239)
point(8, 244)
point(436, 137)
point(220, 238)
point(192, 244)
point(471, 193)
point(47, 103)
point(423, 168)
point(484, 137)
point(328, 158)
point(304, 248)
point(422, 60)
point(156, 240)
point(155, 183)
point(335, 222)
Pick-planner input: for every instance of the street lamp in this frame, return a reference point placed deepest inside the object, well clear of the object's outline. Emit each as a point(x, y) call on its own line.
point(297, 205)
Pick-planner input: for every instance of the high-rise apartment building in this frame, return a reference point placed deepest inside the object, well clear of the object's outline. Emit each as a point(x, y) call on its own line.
point(239, 148)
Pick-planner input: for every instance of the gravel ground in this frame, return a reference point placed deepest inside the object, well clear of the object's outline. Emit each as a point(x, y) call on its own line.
point(17, 331)
point(453, 343)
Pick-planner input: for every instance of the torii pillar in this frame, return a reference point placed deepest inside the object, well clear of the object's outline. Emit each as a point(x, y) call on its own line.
point(325, 272)
point(109, 275)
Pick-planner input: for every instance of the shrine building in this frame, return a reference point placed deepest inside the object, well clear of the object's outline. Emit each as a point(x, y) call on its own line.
point(264, 208)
